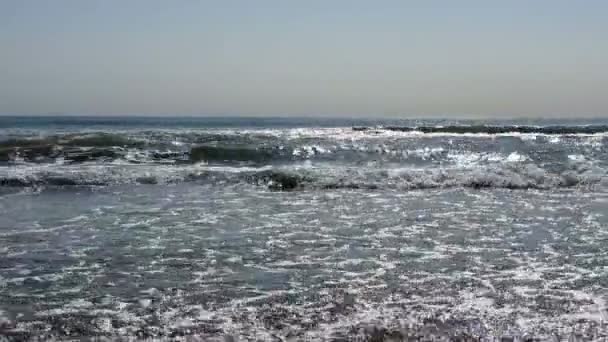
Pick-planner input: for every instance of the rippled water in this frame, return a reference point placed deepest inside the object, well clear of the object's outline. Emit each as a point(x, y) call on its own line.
point(301, 230)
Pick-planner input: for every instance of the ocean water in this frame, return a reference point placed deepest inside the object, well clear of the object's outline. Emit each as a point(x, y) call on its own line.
point(302, 229)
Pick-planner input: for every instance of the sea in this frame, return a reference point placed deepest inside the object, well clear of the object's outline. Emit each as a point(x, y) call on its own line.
point(303, 229)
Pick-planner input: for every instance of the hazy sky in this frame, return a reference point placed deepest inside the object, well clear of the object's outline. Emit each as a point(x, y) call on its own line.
point(351, 58)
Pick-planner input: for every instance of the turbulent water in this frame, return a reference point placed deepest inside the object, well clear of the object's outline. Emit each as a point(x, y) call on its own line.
point(301, 229)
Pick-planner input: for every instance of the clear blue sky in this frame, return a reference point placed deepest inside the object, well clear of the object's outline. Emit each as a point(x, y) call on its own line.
point(351, 58)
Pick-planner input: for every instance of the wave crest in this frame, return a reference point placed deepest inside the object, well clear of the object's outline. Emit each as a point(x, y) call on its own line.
point(487, 129)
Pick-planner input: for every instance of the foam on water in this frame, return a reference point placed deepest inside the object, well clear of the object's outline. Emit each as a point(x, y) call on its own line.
point(333, 234)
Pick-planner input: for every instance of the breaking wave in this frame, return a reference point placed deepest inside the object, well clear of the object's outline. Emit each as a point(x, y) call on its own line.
point(237, 153)
point(294, 159)
point(522, 176)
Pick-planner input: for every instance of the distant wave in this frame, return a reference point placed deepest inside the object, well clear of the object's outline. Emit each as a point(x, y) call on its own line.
point(486, 129)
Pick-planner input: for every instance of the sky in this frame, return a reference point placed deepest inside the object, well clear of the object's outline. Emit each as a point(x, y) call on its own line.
point(428, 58)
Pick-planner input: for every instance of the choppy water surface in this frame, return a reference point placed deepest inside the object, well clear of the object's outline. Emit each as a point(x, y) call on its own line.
point(302, 230)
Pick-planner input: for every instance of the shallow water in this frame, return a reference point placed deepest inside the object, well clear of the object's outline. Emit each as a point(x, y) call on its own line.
point(305, 232)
